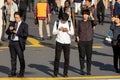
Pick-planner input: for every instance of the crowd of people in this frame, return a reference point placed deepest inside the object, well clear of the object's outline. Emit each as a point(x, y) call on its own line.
point(7, 10)
point(12, 24)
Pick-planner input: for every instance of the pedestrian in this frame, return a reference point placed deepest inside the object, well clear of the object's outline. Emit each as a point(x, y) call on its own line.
point(16, 1)
point(110, 33)
point(115, 27)
point(62, 3)
point(10, 8)
point(117, 7)
point(84, 36)
point(78, 4)
point(30, 5)
point(106, 4)
point(111, 7)
point(69, 10)
point(89, 6)
point(17, 35)
point(23, 8)
point(58, 3)
point(43, 6)
point(100, 11)
point(1, 19)
point(63, 29)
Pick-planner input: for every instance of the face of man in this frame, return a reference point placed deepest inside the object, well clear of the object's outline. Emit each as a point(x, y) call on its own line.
point(9, 1)
point(17, 18)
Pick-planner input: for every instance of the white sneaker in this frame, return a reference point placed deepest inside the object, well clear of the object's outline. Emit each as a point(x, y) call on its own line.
point(108, 39)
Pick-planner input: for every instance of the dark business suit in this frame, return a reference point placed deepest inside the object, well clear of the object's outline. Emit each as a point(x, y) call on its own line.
point(17, 47)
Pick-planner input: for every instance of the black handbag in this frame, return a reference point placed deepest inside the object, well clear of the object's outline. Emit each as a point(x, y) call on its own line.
point(35, 20)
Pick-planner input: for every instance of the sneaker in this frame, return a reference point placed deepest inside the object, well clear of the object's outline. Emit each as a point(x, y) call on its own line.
point(108, 39)
point(42, 39)
point(49, 38)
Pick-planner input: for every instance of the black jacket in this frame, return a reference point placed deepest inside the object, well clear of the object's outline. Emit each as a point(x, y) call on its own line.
point(22, 33)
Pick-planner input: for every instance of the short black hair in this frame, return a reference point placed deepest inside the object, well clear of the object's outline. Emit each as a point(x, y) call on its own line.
point(89, 0)
point(116, 15)
point(86, 11)
point(18, 13)
point(65, 16)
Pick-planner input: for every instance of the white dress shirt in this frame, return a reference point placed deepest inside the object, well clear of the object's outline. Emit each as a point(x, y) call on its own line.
point(63, 37)
point(16, 37)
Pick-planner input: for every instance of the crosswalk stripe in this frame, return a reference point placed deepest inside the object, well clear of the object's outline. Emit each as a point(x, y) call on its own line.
point(68, 78)
point(35, 43)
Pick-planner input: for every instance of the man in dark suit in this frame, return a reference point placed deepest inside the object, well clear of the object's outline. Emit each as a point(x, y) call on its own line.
point(23, 8)
point(17, 35)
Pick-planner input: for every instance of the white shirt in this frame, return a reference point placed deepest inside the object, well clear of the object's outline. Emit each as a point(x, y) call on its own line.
point(16, 37)
point(63, 37)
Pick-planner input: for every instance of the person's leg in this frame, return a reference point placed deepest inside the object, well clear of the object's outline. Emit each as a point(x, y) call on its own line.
point(1, 31)
point(106, 4)
point(102, 14)
point(24, 15)
point(48, 29)
point(66, 50)
point(76, 10)
point(19, 51)
point(81, 49)
point(40, 22)
point(115, 57)
point(98, 16)
point(13, 56)
point(89, 56)
point(58, 51)
point(78, 7)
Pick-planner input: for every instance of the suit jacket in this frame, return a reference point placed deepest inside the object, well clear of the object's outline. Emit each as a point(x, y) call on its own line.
point(22, 33)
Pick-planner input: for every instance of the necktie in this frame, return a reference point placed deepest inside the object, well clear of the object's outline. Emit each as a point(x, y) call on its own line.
point(13, 35)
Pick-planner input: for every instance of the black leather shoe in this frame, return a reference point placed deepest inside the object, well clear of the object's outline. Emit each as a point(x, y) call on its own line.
point(88, 73)
point(20, 75)
point(82, 72)
point(55, 75)
point(65, 75)
point(12, 75)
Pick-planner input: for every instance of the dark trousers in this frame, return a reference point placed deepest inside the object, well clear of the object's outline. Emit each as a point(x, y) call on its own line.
point(116, 57)
point(23, 12)
point(85, 49)
point(100, 12)
point(15, 50)
point(66, 51)
point(30, 5)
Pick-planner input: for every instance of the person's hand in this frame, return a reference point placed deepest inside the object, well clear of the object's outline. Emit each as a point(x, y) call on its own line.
point(15, 31)
point(65, 30)
point(69, 14)
point(61, 29)
point(77, 38)
point(11, 28)
point(113, 19)
point(48, 19)
point(91, 15)
point(118, 24)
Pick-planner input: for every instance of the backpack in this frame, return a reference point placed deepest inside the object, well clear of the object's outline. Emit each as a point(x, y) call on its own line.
point(69, 23)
